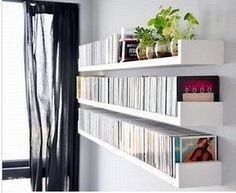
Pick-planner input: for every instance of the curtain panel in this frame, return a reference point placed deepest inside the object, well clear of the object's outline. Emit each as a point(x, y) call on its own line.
point(51, 60)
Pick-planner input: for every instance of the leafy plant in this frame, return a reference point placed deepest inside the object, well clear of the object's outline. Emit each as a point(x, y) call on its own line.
point(187, 33)
point(144, 36)
point(167, 25)
point(163, 22)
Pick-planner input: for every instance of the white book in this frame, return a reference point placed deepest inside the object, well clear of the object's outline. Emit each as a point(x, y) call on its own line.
point(144, 130)
point(106, 89)
point(110, 49)
point(100, 89)
point(173, 157)
point(116, 128)
point(142, 93)
point(120, 91)
point(147, 94)
point(110, 80)
point(131, 89)
point(116, 88)
point(146, 90)
point(151, 147)
point(146, 146)
point(136, 92)
point(87, 88)
point(158, 94)
point(153, 97)
point(125, 90)
point(156, 150)
point(96, 89)
point(106, 50)
point(116, 38)
point(169, 96)
point(128, 92)
point(174, 96)
point(163, 95)
point(170, 156)
point(136, 135)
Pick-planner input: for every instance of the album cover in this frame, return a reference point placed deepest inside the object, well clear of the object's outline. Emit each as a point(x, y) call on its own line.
point(198, 148)
point(128, 50)
point(198, 88)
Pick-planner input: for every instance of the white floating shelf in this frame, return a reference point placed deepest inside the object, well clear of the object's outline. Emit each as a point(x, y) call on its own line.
point(187, 174)
point(191, 53)
point(189, 113)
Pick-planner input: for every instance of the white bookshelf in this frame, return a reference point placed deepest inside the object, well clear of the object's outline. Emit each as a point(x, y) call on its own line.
point(189, 113)
point(187, 174)
point(191, 53)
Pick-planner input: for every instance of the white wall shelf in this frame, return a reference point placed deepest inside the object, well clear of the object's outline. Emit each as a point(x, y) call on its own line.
point(190, 114)
point(187, 174)
point(191, 53)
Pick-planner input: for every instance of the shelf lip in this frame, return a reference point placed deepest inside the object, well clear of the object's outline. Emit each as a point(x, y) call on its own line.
point(157, 62)
point(186, 114)
point(136, 161)
point(191, 53)
point(174, 61)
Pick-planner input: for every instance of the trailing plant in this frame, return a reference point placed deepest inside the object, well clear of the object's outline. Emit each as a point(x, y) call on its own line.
point(144, 36)
point(163, 23)
point(167, 25)
point(189, 31)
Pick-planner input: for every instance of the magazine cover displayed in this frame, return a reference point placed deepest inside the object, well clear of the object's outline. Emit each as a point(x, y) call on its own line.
point(198, 88)
point(198, 148)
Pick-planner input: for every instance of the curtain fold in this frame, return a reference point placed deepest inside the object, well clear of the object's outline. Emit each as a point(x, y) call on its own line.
point(51, 56)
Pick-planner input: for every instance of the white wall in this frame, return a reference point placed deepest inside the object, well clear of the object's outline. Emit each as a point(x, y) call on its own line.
point(101, 170)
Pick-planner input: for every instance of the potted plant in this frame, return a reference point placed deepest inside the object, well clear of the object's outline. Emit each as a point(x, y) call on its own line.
point(162, 24)
point(188, 33)
point(146, 40)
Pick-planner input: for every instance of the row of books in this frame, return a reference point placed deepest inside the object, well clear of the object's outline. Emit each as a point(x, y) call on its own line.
point(152, 94)
point(100, 52)
point(160, 147)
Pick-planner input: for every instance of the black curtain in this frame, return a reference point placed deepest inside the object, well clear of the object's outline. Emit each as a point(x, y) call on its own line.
point(51, 57)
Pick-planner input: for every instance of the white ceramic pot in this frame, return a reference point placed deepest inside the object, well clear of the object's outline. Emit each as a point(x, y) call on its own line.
point(141, 53)
point(162, 49)
point(150, 52)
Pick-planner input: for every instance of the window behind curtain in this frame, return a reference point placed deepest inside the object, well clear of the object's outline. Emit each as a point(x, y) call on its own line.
point(15, 133)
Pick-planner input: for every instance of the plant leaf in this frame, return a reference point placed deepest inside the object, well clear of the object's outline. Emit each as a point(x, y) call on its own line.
point(159, 22)
point(192, 36)
point(166, 31)
point(186, 17)
point(174, 11)
point(151, 22)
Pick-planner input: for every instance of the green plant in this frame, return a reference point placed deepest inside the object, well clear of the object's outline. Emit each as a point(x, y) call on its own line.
point(187, 33)
point(144, 36)
point(167, 25)
point(163, 22)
